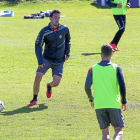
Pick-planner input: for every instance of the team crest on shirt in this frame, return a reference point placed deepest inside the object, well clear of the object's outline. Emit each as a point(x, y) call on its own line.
point(60, 36)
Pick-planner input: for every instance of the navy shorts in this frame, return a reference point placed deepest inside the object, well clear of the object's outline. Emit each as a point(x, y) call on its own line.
point(57, 69)
point(106, 116)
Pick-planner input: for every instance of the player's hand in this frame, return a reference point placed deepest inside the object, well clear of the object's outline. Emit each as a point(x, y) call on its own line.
point(92, 104)
point(119, 5)
point(41, 66)
point(123, 106)
point(128, 6)
point(66, 57)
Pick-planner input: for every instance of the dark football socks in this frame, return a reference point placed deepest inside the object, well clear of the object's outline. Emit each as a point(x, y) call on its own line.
point(35, 97)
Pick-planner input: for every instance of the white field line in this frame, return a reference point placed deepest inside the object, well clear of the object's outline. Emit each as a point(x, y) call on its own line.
point(98, 62)
point(7, 42)
point(88, 60)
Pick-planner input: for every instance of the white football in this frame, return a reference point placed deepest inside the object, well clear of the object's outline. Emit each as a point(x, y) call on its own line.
point(1, 105)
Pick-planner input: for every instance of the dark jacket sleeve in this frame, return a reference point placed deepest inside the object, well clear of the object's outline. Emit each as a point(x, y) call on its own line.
point(128, 2)
point(88, 84)
point(67, 43)
point(110, 4)
point(121, 82)
point(38, 47)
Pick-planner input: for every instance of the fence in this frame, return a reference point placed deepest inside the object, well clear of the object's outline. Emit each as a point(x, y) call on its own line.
point(134, 3)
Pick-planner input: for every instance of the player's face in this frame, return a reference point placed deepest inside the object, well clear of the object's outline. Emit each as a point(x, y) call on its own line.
point(55, 19)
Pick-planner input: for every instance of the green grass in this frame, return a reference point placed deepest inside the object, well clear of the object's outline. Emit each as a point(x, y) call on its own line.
point(67, 114)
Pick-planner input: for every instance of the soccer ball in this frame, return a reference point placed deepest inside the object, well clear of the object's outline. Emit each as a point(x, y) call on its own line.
point(1, 105)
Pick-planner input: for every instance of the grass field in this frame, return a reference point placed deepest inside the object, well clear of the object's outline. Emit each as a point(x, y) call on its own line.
point(67, 115)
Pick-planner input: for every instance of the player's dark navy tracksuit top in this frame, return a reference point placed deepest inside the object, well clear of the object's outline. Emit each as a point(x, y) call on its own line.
point(120, 79)
point(57, 44)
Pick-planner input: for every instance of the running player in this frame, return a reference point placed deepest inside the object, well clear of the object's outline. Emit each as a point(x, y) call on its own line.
point(119, 8)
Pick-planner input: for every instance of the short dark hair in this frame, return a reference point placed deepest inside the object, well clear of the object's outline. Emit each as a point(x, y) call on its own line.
point(106, 50)
point(54, 11)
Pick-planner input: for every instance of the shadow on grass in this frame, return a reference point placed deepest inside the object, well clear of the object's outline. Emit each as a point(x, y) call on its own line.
point(10, 3)
point(99, 6)
point(86, 54)
point(25, 109)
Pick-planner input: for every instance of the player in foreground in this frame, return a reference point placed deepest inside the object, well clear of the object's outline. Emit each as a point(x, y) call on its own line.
point(56, 50)
point(119, 8)
point(108, 84)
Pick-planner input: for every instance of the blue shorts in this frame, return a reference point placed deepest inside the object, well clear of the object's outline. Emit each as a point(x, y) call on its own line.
point(57, 69)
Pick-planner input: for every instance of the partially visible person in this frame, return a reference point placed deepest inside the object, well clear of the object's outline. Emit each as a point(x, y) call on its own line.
point(56, 38)
point(119, 8)
point(108, 84)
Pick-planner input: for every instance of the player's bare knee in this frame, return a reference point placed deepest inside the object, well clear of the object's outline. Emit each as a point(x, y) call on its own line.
point(38, 77)
point(56, 83)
